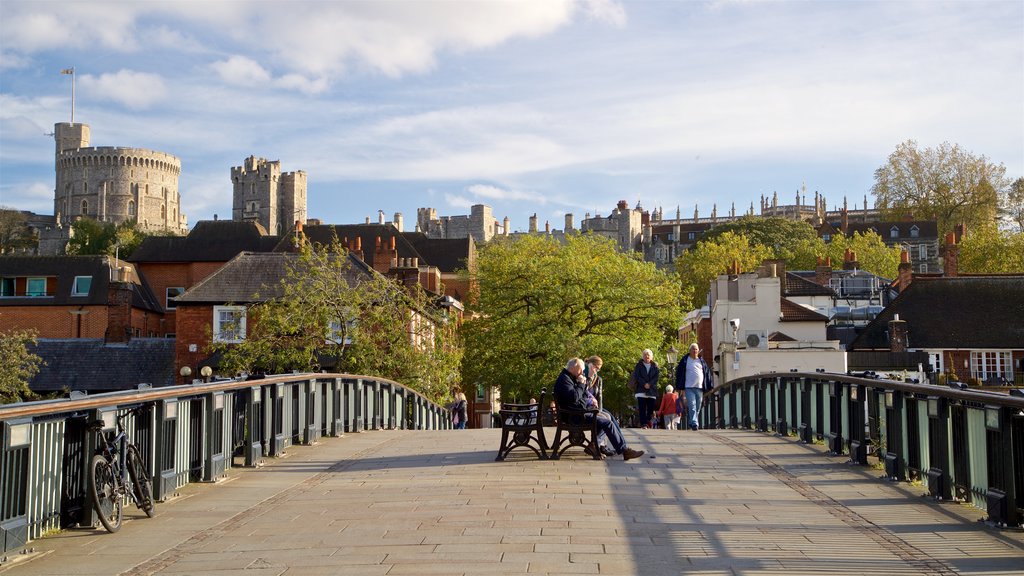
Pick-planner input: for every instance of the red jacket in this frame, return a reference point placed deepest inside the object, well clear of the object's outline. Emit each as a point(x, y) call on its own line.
point(668, 404)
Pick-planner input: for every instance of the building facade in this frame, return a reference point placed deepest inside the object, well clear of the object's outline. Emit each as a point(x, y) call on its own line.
point(264, 194)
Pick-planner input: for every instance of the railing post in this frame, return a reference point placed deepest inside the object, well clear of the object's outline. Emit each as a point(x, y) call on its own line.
point(1001, 497)
point(311, 416)
point(166, 477)
point(253, 444)
point(806, 430)
point(14, 474)
point(761, 404)
point(894, 434)
point(402, 411)
point(858, 409)
point(835, 434)
point(277, 420)
point(215, 462)
point(359, 394)
point(939, 481)
point(375, 410)
point(782, 420)
point(337, 414)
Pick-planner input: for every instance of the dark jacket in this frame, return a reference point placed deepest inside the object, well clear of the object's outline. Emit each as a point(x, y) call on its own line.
point(569, 393)
point(459, 409)
point(709, 381)
point(642, 377)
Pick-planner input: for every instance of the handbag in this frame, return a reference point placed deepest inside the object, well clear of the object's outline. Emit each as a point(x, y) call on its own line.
point(631, 383)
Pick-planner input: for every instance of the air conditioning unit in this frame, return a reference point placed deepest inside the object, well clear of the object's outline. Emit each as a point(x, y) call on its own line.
point(757, 339)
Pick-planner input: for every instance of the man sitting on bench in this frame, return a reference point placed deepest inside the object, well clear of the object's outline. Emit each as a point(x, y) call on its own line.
point(571, 392)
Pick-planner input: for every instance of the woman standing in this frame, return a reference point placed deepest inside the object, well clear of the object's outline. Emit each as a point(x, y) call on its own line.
point(459, 412)
point(668, 408)
point(645, 375)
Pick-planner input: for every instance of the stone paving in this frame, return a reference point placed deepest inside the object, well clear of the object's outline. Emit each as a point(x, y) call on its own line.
point(408, 502)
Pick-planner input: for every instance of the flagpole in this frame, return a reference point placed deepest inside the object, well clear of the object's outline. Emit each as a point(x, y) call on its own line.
point(71, 71)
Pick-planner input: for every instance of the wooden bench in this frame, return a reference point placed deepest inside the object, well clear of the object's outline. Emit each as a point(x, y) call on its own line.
point(573, 427)
point(521, 427)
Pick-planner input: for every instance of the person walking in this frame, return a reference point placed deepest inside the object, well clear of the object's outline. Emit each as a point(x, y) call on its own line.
point(459, 412)
point(668, 408)
point(645, 377)
point(693, 377)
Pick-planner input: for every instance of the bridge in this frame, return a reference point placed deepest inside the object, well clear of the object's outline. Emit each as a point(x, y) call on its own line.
point(367, 479)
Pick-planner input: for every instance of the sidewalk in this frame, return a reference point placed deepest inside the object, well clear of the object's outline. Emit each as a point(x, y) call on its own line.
point(414, 502)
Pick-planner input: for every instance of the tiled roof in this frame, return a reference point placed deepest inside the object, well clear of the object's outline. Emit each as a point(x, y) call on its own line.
point(65, 269)
point(251, 277)
point(793, 312)
point(89, 364)
point(959, 312)
point(926, 229)
point(448, 254)
point(797, 285)
point(367, 233)
point(209, 241)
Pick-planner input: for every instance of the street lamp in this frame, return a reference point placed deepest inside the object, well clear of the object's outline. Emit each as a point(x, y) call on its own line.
point(671, 355)
point(185, 373)
point(206, 372)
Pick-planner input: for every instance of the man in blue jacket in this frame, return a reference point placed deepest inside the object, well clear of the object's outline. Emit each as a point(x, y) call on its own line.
point(571, 392)
point(693, 377)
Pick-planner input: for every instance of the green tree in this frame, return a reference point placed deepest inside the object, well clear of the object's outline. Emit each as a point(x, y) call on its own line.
point(325, 312)
point(541, 302)
point(794, 241)
point(17, 365)
point(14, 231)
point(1014, 206)
point(872, 253)
point(702, 263)
point(90, 237)
point(990, 250)
point(946, 183)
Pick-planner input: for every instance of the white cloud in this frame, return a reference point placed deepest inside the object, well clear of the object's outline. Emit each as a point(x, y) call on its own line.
point(456, 202)
point(491, 192)
point(241, 71)
point(136, 90)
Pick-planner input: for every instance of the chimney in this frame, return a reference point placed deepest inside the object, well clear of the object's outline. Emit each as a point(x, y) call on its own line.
point(383, 254)
point(380, 217)
point(897, 334)
point(906, 271)
point(568, 223)
point(533, 222)
point(622, 206)
point(961, 231)
point(507, 223)
point(119, 308)
point(823, 272)
point(850, 260)
point(399, 223)
point(357, 250)
point(951, 254)
point(547, 227)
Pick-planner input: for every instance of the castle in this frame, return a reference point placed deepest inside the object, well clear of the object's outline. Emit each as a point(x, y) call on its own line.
point(263, 193)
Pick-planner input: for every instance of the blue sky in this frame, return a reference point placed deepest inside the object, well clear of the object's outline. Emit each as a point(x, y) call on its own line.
point(546, 107)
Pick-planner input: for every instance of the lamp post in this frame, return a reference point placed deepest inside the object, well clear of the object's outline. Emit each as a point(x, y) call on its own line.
point(206, 372)
point(185, 373)
point(671, 355)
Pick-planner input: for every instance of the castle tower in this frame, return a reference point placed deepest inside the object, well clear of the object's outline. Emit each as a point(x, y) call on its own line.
point(261, 192)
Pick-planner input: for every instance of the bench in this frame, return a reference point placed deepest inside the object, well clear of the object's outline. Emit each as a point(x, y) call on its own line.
point(521, 427)
point(573, 427)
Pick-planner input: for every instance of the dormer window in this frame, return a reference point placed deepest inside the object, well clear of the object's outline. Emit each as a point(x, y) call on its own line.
point(894, 232)
point(915, 231)
point(81, 286)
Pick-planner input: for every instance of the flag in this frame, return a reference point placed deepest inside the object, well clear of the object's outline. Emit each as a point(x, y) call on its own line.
point(68, 71)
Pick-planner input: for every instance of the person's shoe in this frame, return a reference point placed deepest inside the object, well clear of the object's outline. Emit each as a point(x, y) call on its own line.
point(629, 454)
point(693, 426)
point(607, 451)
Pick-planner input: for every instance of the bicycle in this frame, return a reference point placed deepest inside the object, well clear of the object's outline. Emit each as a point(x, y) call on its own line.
point(117, 471)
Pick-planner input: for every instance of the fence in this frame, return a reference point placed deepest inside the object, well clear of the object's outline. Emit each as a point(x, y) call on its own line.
point(964, 445)
point(186, 434)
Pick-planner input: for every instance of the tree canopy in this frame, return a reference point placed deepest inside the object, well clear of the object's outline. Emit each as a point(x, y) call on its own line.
point(794, 241)
point(17, 366)
point(541, 302)
point(872, 254)
point(990, 250)
point(14, 231)
point(91, 237)
point(702, 263)
point(946, 183)
point(1013, 208)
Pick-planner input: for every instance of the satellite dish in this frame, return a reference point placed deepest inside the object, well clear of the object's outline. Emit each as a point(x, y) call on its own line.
point(753, 340)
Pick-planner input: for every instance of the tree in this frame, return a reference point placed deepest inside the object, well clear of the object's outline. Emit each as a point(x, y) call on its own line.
point(540, 302)
point(17, 365)
point(325, 313)
point(90, 237)
point(1014, 208)
point(990, 250)
point(946, 183)
point(702, 263)
point(872, 254)
point(794, 241)
point(14, 231)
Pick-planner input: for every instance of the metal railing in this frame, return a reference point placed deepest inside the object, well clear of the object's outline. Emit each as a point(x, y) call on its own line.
point(191, 433)
point(963, 444)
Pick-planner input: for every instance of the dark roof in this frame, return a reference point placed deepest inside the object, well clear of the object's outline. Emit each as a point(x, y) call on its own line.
point(448, 254)
point(780, 337)
point(324, 234)
point(209, 241)
point(252, 277)
point(925, 228)
point(65, 269)
point(960, 312)
point(89, 364)
point(797, 285)
point(793, 312)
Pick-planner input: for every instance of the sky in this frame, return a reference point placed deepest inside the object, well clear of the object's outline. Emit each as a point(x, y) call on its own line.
point(542, 107)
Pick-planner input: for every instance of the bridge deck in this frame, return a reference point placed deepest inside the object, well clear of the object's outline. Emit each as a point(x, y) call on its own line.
point(402, 502)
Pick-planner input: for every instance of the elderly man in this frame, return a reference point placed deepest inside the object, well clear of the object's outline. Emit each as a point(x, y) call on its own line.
point(571, 392)
point(693, 377)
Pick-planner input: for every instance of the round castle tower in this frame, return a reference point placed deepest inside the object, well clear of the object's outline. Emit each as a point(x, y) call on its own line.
point(115, 184)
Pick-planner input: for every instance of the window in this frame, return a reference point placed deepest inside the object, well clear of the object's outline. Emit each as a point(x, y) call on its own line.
point(989, 366)
point(81, 286)
point(35, 287)
point(6, 286)
point(826, 237)
point(915, 231)
point(131, 207)
point(169, 304)
point(480, 391)
point(691, 235)
point(923, 268)
point(894, 232)
point(336, 335)
point(85, 207)
point(228, 323)
point(922, 252)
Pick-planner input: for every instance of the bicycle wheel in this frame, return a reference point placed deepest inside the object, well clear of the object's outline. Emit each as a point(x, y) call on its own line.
point(141, 483)
point(106, 498)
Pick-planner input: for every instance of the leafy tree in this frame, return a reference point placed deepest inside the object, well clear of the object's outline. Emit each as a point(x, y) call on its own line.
point(702, 263)
point(17, 365)
point(946, 183)
point(872, 253)
point(91, 237)
point(794, 241)
point(541, 302)
point(325, 313)
point(14, 231)
point(1014, 208)
point(990, 250)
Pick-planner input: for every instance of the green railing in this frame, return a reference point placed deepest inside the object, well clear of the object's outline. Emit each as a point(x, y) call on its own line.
point(192, 433)
point(962, 444)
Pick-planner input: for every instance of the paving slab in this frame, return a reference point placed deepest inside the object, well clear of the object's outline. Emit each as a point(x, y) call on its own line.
point(435, 502)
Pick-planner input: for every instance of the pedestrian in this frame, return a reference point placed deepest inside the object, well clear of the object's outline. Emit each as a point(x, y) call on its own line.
point(645, 378)
point(459, 412)
point(693, 377)
point(668, 408)
point(571, 392)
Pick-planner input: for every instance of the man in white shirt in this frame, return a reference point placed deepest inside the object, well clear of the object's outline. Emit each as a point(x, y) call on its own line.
point(693, 377)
